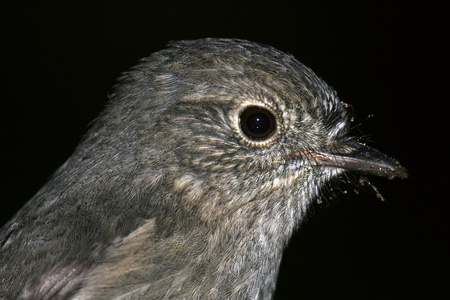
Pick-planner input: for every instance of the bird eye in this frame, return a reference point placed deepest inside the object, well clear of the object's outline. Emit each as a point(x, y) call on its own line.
point(257, 122)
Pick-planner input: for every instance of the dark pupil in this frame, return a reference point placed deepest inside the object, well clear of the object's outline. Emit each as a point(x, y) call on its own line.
point(258, 123)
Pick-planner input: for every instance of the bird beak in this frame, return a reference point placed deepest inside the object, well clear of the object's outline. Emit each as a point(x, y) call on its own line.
point(362, 158)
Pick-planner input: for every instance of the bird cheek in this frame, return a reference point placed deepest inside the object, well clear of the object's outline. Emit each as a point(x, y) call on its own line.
point(188, 186)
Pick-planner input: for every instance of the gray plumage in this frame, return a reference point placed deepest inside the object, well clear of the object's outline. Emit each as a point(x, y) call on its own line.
point(170, 196)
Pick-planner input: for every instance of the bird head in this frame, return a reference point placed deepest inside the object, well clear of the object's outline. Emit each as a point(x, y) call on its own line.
point(235, 129)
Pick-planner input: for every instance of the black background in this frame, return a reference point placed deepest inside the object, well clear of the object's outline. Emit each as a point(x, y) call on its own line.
point(58, 62)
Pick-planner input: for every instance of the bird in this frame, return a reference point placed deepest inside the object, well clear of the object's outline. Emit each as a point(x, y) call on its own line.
point(190, 182)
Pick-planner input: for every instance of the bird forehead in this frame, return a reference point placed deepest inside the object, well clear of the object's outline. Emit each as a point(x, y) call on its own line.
point(255, 84)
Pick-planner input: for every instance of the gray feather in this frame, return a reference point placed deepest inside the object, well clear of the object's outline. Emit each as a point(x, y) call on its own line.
point(165, 197)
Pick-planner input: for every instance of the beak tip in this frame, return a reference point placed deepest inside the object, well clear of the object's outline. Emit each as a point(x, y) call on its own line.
point(399, 171)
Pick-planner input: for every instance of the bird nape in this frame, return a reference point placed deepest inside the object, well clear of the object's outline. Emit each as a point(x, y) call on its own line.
point(190, 183)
